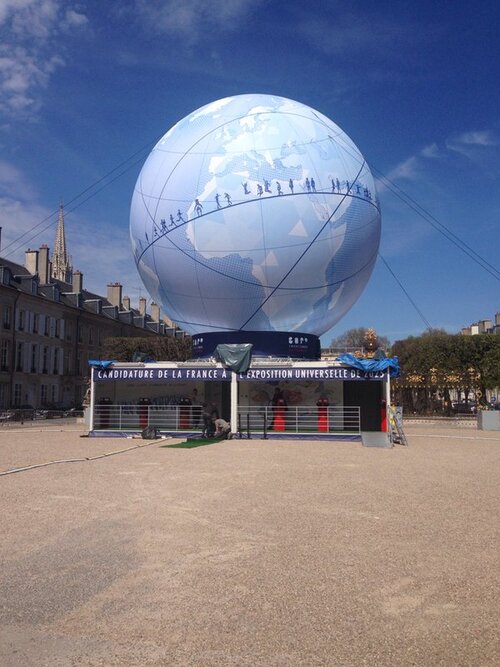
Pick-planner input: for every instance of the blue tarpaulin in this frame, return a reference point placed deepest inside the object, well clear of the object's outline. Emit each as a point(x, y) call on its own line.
point(100, 365)
point(372, 364)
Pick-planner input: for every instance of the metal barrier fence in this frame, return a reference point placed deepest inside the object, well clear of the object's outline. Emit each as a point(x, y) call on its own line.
point(23, 415)
point(137, 417)
point(299, 419)
point(251, 419)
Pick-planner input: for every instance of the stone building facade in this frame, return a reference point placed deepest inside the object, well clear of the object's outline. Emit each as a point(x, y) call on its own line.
point(50, 328)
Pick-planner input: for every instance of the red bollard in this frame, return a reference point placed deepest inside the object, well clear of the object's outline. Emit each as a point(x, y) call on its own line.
point(143, 412)
point(383, 417)
point(185, 413)
point(323, 414)
point(279, 419)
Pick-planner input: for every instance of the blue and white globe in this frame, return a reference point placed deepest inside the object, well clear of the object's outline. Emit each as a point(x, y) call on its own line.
point(255, 213)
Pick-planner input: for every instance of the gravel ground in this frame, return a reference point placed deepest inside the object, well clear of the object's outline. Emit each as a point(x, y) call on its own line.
point(250, 553)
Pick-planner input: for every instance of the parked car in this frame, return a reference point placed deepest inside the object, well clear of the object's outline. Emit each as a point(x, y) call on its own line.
point(73, 412)
point(469, 407)
point(23, 412)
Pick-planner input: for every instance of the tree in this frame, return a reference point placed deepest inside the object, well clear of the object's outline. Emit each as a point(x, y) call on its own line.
point(159, 348)
point(436, 363)
point(353, 339)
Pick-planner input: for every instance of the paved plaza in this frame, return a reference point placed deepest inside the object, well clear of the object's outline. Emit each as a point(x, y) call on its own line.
point(249, 552)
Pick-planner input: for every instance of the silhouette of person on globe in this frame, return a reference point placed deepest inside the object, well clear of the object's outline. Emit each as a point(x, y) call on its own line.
point(266, 186)
point(313, 185)
point(338, 184)
point(290, 185)
point(217, 197)
point(333, 185)
point(179, 216)
point(278, 185)
point(308, 185)
point(245, 189)
point(198, 207)
point(163, 225)
point(228, 199)
point(172, 221)
point(259, 190)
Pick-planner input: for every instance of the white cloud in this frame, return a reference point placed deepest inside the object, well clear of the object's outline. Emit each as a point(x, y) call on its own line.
point(13, 183)
point(412, 168)
point(432, 151)
point(17, 219)
point(190, 18)
point(477, 138)
point(473, 145)
point(479, 147)
point(73, 18)
point(9, 7)
point(32, 52)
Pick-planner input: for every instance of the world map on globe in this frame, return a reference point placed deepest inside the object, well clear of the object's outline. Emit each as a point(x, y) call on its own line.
point(255, 213)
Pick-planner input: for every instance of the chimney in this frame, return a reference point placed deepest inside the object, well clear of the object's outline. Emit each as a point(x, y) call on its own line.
point(77, 281)
point(485, 326)
point(142, 305)
point(31, 261)
point(155, 312)
point(115, 294)
point(126, 303)
point(44, 265)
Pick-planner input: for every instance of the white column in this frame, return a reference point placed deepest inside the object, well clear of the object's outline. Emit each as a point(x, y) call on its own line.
point(92, 399)
point(234, 402)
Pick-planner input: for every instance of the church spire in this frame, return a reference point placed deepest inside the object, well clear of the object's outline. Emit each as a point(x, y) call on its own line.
point(61, 269)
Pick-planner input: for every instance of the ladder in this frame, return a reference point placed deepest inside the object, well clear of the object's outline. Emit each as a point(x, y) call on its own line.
point(397, 433)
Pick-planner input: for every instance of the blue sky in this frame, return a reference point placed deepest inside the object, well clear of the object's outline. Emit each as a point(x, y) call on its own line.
point(87, 88)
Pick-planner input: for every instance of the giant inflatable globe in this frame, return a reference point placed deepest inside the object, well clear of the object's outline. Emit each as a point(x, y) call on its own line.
point(255, 213)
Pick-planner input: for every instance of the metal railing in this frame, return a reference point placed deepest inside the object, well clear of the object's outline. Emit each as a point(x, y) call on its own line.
point(299, 419)
point(251, 419)
point(137, 417)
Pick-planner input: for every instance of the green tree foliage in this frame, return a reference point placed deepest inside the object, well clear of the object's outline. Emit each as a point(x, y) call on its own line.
point(436, 362)
point(159, 348)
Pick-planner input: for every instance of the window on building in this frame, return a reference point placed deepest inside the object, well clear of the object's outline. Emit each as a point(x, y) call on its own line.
point(67, 362)
point(7, 317)
point(56, 361)
point(3, 395)
point(4, 355)
point(36, 322)
point(22, 320)
point(80, 333)
point(19, 356)
point(45, 359)
point(91, 335)
point(34, 358)
point(46, 328)
point(57, 328)
point(43, 394)
point(18, 392)
point(54, 393)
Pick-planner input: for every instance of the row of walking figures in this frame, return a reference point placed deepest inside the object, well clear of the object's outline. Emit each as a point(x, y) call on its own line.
point(308, 186)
